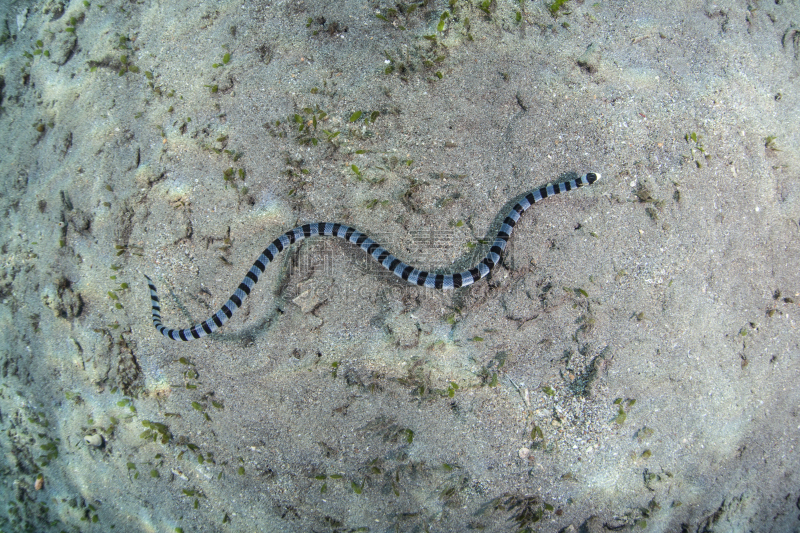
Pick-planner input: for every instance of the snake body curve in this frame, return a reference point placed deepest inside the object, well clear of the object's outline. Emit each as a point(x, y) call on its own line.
point(374, 250)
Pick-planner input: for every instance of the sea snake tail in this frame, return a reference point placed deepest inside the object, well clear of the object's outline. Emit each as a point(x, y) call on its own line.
point(375, 250)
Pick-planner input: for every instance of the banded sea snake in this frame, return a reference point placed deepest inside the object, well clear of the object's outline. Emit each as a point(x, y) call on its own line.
point(375, 250)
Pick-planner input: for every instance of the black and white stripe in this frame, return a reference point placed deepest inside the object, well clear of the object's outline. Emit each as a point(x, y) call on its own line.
point(375, 250)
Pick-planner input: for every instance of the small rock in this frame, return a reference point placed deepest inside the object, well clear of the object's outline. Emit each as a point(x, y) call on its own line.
point(22, 18)
point(590, 60)
point(524, 453)
point(63, 47)
point(60, 298)
point(311, 295)
point(403, 327)
point(146, 176)
point(39, 484)
point(593, 525)
point(95, 440)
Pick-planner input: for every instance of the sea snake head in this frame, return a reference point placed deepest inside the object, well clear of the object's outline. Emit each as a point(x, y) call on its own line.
point(591, 177)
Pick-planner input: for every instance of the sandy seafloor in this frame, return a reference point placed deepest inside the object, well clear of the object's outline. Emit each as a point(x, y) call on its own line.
point(632, 364)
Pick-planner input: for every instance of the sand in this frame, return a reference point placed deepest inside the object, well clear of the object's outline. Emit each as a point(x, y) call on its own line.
point(632, 364)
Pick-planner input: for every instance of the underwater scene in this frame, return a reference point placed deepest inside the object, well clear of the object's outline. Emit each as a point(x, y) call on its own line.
point(399, 266)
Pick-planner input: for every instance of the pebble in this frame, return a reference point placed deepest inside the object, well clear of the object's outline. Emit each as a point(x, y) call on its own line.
point(95, 440)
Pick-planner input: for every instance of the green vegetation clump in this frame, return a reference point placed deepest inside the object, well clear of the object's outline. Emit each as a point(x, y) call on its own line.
point(556, 6)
